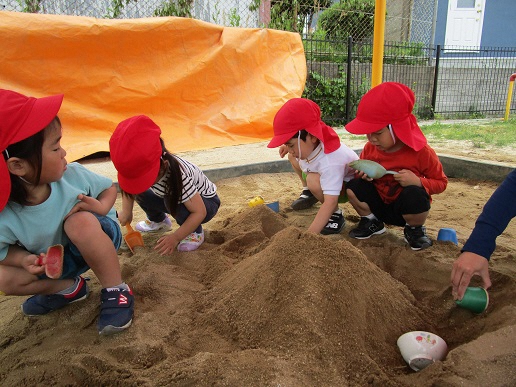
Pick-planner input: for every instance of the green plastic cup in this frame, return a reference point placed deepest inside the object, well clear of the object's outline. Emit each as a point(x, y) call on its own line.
point(475, 299)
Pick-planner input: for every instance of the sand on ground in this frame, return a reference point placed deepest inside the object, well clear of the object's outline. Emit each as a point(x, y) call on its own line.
point(264, 303)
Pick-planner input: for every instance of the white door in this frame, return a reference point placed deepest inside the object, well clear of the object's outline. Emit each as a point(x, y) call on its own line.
point(464, 23)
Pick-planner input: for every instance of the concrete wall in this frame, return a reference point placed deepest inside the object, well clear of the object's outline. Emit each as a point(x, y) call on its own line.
point(454, 167)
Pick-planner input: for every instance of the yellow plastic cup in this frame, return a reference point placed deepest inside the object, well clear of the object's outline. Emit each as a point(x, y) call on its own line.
point(256, 201)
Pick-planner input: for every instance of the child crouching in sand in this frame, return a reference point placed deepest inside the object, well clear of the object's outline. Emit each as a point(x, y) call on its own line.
point(396, 142)
point(161, 183)
point(320, 155)
point(43, 202)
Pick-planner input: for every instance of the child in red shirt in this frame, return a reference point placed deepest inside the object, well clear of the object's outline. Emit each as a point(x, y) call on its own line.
point(397, 143)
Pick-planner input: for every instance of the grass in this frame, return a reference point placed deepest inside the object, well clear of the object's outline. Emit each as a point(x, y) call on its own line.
point(497, 133)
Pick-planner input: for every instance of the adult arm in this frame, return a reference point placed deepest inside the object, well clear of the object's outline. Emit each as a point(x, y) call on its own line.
point(495, 216)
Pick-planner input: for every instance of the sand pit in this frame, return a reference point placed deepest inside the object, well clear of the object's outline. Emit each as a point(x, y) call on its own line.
point(262, 303)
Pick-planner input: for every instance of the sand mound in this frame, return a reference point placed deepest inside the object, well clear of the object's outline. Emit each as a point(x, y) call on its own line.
point(264, 303)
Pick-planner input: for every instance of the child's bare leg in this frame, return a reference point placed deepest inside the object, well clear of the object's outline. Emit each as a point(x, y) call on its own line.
point(361, 208)
point(97, 249)
point(16, 281)
point(416, 219)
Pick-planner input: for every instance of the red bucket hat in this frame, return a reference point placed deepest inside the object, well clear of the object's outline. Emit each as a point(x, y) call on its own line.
point(20, 118)
point(298, 114)
point(389, 103)
point(135, 149)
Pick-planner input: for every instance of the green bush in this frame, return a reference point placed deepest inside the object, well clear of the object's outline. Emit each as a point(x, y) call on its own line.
point(179, 8)
point(330, 95)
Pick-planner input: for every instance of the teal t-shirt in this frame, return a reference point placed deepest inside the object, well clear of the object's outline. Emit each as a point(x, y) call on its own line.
point(36, 228)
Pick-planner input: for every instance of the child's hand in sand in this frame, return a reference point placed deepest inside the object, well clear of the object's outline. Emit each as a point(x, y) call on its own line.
point(167, 244)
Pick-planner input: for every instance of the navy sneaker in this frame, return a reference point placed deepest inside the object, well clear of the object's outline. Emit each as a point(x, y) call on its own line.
point(416, 237)
point(116, 310)
point(41, 304)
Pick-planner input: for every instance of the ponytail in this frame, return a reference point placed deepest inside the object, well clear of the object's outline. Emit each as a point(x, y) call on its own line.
point(174, 186)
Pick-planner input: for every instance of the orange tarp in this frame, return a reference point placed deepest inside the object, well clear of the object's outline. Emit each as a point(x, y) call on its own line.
point(205, 85)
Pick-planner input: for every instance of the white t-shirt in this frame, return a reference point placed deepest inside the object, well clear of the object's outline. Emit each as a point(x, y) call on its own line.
point(332, 167)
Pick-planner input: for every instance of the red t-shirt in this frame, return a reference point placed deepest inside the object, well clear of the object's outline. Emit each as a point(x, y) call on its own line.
point(423, 163)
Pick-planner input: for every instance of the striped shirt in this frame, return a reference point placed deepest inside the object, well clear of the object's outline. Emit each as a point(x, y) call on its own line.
point(194, 181)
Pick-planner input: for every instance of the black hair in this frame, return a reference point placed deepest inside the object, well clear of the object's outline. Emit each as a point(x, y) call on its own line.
point(30, 150)
point(174, 186)
point(301, 135)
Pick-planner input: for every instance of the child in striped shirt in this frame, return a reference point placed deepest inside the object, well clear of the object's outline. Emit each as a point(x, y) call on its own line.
point(161, 183)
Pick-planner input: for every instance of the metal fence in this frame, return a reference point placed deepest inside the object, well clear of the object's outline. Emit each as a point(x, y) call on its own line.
point(406, 20)
point(450, 83)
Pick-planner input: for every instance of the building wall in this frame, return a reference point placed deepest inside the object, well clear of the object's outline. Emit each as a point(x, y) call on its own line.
point(499, 28)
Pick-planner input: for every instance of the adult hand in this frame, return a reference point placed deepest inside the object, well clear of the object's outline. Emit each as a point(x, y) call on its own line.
point(466, 266)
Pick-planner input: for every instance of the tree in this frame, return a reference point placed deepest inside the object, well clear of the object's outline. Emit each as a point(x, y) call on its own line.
point(167, 8)
point(31, 6)
point(292, 15)
point(348, 18)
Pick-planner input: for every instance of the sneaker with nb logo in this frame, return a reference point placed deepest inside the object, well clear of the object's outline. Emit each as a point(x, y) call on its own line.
point(116, 310)
point(416, 237)
point(150, 226)
point(335, 224)
point(367, 228)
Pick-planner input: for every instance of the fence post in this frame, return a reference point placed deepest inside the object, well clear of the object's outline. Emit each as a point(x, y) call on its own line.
point(378, 41)
point(436, 75)
point(509, 96)
point(348, 78)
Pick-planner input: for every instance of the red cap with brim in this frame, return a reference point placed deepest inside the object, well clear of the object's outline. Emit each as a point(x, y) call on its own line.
point(298, 114)
point(20, 118)
point(389, 103)
point(136, 151)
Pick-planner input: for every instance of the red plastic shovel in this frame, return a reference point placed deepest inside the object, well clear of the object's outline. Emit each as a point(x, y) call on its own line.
point(53, 261)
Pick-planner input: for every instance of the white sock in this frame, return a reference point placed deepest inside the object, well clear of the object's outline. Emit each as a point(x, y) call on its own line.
point(371, 216)
point(122, 286)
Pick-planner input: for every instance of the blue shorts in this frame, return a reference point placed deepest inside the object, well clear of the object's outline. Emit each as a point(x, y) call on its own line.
point(73, 262)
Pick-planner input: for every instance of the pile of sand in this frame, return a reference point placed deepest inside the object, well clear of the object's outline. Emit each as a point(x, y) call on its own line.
point(262, 302)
